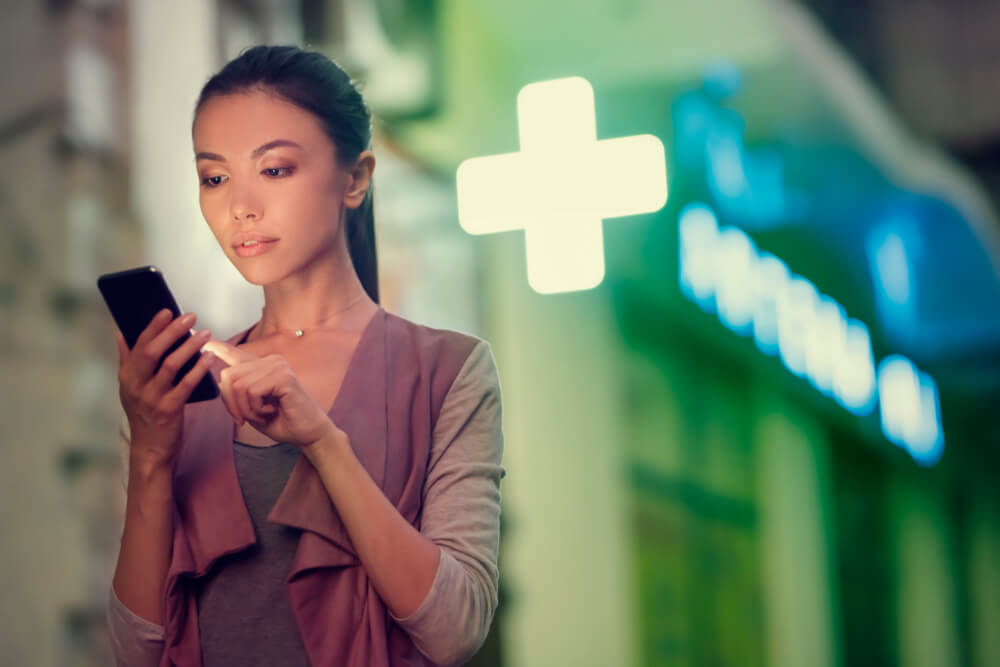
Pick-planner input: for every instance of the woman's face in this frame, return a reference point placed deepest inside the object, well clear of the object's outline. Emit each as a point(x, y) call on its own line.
point(268, 173)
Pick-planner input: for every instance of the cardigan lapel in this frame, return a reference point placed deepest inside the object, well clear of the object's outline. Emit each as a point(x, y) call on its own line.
point(360, 411)
point(212, 510)
point(210, 518)
point(213, 513)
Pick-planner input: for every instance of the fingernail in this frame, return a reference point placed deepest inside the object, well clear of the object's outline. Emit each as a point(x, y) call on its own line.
point(163, 314)
point(188, 319)
point(204, 333)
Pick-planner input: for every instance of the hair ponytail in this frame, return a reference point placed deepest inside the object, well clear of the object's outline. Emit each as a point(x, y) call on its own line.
point(360, 223)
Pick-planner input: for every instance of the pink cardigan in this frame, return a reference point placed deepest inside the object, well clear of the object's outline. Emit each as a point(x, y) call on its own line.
point(388, 405)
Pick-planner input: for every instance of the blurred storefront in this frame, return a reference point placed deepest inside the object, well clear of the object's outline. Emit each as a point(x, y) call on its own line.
point(767, 436)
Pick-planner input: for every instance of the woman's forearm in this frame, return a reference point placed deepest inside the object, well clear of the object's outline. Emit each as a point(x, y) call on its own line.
point(400, 562)
point(144, 555)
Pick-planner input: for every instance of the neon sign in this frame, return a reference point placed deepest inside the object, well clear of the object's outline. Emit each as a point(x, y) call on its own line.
point(754, 294)
point(561, 185)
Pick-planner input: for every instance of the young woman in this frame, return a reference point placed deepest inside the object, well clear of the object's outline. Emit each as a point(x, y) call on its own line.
point(339, 503)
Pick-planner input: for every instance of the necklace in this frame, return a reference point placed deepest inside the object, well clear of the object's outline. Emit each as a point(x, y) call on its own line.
point(299, 333)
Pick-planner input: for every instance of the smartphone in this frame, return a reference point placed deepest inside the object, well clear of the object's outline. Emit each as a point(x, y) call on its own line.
point(134, 297)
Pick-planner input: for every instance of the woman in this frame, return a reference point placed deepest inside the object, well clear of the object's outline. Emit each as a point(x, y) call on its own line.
point(339, 504)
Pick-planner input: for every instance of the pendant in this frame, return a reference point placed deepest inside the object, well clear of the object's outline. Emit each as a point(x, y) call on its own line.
point(299, 332)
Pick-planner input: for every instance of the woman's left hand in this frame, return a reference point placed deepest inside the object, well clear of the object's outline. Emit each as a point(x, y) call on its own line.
point(266, 393)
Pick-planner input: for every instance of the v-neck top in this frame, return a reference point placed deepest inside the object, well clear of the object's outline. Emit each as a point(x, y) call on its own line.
point(244, 617)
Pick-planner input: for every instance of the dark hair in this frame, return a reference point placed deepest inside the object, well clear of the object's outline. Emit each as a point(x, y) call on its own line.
point(314, 82)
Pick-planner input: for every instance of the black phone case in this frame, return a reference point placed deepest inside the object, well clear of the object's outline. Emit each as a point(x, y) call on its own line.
point(134, 297)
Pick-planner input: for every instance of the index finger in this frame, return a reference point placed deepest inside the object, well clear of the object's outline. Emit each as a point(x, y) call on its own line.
point(230, 354)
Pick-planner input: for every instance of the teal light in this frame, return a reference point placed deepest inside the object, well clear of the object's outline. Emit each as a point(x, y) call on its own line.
point(910, 409)
point(893, 269)
point(754, 294)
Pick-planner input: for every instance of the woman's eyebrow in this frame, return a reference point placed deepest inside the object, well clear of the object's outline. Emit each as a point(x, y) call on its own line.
point(257, 152)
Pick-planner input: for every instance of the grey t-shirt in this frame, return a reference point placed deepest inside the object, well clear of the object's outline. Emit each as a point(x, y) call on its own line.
point(244, 617)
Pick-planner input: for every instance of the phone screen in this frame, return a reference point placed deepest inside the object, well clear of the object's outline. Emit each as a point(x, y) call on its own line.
point(134, 297)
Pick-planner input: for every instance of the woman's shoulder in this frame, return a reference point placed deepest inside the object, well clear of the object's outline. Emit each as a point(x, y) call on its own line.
point(459, 366)
point(436, 340)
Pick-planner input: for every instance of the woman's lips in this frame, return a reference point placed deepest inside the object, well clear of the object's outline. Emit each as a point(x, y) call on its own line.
point(255, 249)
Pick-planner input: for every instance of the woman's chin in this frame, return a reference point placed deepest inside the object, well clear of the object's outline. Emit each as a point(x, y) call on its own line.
point(257, 275)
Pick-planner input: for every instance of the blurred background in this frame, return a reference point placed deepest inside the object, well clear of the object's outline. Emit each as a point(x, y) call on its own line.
point(768, 436)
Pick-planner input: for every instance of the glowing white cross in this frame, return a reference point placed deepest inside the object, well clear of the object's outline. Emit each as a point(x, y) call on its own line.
point(561, 185)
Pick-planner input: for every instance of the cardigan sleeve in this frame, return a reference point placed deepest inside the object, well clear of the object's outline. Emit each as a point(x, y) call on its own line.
point(461, 514)
point(135, 642)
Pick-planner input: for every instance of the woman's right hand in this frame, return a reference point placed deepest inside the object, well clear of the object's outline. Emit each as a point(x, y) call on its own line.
point(154, 407)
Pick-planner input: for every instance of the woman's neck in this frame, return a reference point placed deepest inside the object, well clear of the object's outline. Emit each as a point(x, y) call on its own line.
point(330, 299)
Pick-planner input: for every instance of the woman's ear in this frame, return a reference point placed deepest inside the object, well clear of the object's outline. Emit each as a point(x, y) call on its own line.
point(359, 179)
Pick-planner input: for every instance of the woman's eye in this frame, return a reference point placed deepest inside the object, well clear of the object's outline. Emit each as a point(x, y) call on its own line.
point(212, 181)
point(278, 171)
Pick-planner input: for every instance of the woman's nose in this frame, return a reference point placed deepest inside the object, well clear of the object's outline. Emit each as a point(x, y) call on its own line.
point(243, 205)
